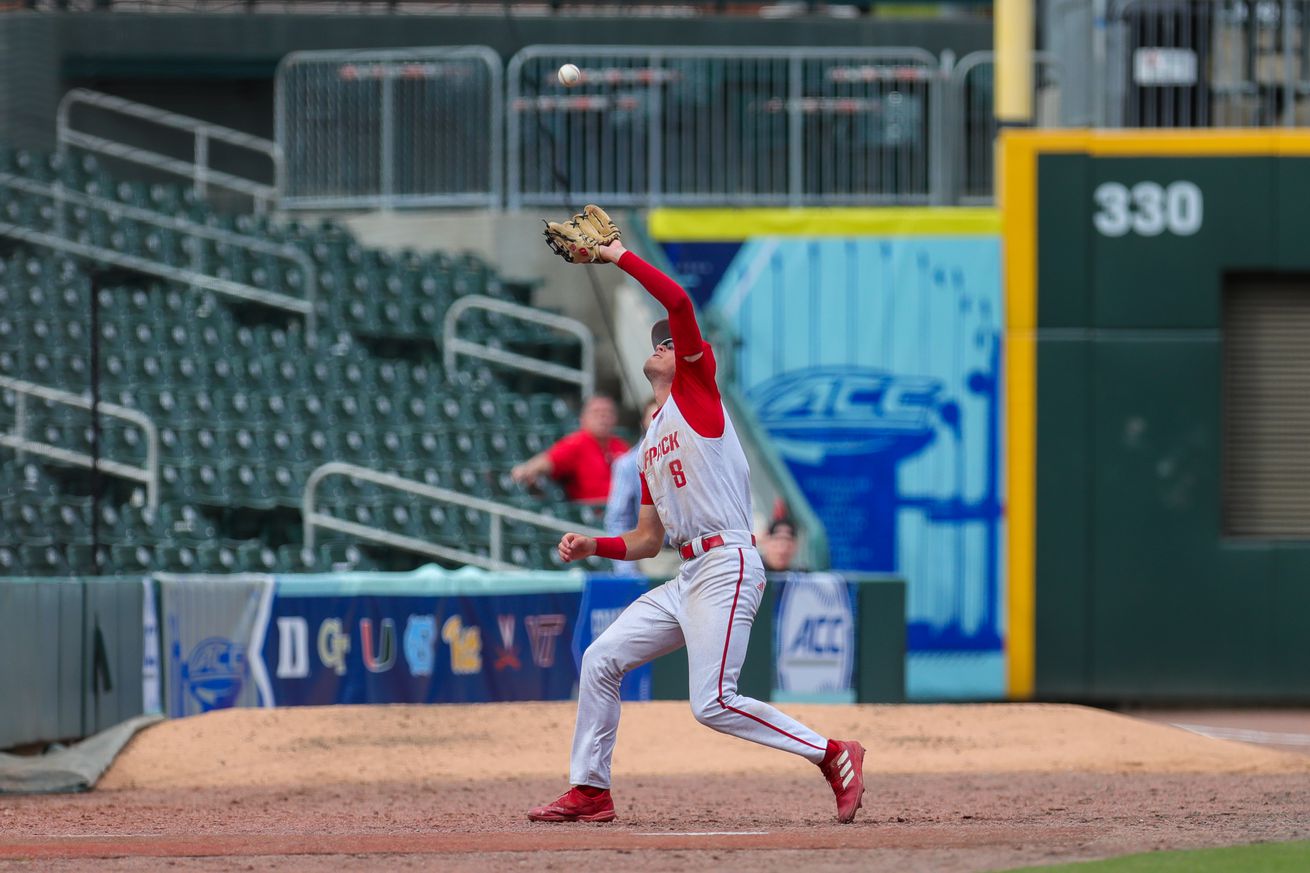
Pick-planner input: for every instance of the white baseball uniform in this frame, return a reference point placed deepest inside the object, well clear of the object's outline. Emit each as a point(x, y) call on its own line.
point(695, 474)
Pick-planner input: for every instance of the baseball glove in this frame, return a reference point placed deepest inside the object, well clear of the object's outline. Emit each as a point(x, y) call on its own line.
point(579, 239)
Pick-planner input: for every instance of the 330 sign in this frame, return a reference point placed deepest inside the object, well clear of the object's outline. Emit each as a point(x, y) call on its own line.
point(1147, 209)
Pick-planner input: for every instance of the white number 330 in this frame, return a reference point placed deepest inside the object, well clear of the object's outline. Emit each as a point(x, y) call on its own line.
point(1147, 209)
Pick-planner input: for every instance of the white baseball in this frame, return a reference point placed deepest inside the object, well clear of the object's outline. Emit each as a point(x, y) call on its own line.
point(569, 75)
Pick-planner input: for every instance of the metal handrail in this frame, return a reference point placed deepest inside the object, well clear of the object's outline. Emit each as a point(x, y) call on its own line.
point(61, 195)
point(974, 59)
point(149, 474)
point(181, 275)
point(584, 377)
point(198, 170)
point(497, 511)
point(958, 144)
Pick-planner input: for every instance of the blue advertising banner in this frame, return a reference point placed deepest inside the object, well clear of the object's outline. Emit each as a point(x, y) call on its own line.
point(421, 649)
point(430, 636)
point(603, 600)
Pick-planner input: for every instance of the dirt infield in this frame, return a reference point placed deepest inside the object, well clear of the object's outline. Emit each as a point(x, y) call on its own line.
point(951, 788)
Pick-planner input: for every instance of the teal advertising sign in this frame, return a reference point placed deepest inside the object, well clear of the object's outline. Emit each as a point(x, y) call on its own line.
point(874, 362)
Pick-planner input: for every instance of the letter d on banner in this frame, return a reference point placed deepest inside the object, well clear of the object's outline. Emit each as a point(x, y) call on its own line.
point(292, 648)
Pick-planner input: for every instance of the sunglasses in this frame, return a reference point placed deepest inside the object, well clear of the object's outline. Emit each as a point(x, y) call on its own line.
point(667, 344)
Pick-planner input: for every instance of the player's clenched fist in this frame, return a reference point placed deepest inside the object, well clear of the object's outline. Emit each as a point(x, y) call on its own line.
point(575, 547)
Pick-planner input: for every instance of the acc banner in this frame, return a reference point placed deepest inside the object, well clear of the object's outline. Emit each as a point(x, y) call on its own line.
point(814, 637)
point(871, 350)
point(603, 600)
point(427, 637)
point(213, 631)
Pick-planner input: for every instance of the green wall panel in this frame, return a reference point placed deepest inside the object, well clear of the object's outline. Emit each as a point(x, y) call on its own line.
point(1157, 625)
point(40, 636)
point(880, 671)
point(1292, 187)
point(1063, 247)
point(113, 649)
point(1167, 280)
point(1064, 526)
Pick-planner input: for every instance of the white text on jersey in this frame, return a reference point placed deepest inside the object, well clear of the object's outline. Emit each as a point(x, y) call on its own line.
point(666, 445)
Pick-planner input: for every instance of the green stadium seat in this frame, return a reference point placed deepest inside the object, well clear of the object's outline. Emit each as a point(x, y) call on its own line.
point(67, 522)
point(367, 507)
point(256, 557)
point(48, 560)
point(178, 558)
point(86, 560)
point(309, 410)
point(440, 524)
point(316, 445)
point(345, 410)
point(395, 318)
point(294, 559)
point(209, 484)
point(249, 486)
point(425, 472)
point(186, 523)
point(217, 558)
point(394, 446)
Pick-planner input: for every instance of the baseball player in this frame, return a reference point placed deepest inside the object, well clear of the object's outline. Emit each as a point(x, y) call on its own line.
point(695, 486)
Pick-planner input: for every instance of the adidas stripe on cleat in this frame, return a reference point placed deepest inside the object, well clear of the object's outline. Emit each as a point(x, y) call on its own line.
point(843, 767)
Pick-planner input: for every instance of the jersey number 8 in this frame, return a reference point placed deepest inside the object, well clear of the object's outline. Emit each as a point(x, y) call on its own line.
point(679, 477)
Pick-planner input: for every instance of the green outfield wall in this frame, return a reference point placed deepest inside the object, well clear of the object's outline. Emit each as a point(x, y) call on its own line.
point(1126, 583)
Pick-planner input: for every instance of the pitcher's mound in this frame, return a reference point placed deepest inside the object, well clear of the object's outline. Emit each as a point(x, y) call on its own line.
point(432, 744)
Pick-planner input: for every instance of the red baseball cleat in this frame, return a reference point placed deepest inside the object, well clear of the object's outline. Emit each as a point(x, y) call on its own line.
point(843, 767)
point(573, 805)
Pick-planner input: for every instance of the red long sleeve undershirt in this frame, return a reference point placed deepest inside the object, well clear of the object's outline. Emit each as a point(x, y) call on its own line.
point(694, 388)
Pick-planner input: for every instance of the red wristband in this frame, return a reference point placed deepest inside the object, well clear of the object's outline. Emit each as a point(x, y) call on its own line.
point(613, 548)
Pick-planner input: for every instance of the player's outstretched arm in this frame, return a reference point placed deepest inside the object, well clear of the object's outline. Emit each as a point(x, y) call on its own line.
point(687, 341)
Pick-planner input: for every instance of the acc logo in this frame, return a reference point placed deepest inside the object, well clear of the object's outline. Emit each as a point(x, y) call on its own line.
point(821, 412)
point(213, 673)
point(465, 646)
point(815, 635)
point(421, 644)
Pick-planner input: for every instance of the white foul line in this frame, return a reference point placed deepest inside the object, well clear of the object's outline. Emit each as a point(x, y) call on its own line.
point(705, 834)
point(1271, 738)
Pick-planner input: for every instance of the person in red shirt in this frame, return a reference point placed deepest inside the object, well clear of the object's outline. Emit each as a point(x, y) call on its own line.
point(580, 461)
